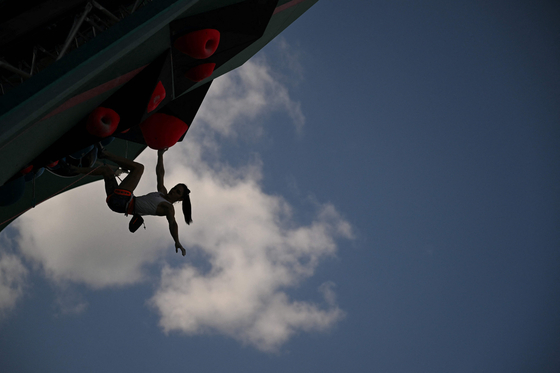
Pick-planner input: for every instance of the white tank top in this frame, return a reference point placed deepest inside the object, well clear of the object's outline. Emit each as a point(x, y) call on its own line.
point(147, 204)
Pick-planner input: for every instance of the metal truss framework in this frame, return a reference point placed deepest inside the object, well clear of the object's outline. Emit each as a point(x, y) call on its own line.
point(87, 22)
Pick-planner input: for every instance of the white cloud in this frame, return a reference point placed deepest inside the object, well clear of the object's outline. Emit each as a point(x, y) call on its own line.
point(255, 254)
point(253, 259)
point(75, 237)
point(288, 61)
point(241, 96)
point(254, 250)
point(13, 275)
point(68, 300)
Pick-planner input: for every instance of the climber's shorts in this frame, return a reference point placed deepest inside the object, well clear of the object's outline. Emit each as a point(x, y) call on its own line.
point(121, 201)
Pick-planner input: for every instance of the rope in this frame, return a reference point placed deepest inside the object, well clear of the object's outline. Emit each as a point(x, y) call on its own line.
point(60, 191)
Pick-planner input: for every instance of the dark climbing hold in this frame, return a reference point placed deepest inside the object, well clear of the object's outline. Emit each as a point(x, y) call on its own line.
point(35, 174)
point(88, 160)
point(80, 153)
point(107, 141)
point(12, 191)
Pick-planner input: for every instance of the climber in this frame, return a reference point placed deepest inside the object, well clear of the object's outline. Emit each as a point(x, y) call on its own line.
point(120, 197)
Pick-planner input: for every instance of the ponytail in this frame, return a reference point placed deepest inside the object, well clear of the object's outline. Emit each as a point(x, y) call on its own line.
point(187, 209)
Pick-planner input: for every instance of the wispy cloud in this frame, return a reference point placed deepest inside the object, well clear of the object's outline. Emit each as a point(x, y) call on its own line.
point(241, 96)
point(13, 280)
point(252, 248)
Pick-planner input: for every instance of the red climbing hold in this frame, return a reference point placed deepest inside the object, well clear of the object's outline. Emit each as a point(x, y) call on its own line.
point(200, 72)
point(158, 95)
point(162, 131)
point(199, 44)
point(102, 122)
point(27, 170)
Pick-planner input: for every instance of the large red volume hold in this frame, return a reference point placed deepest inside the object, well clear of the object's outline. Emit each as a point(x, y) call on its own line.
point(158, 95)
point(199, 44)
point(200, 72)
point(102, 122)
point(162, 131)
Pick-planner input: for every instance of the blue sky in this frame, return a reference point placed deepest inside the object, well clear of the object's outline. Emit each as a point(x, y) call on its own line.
point(377, 190)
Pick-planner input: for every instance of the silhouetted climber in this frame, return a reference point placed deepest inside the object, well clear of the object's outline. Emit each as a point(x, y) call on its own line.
point(121, 200)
